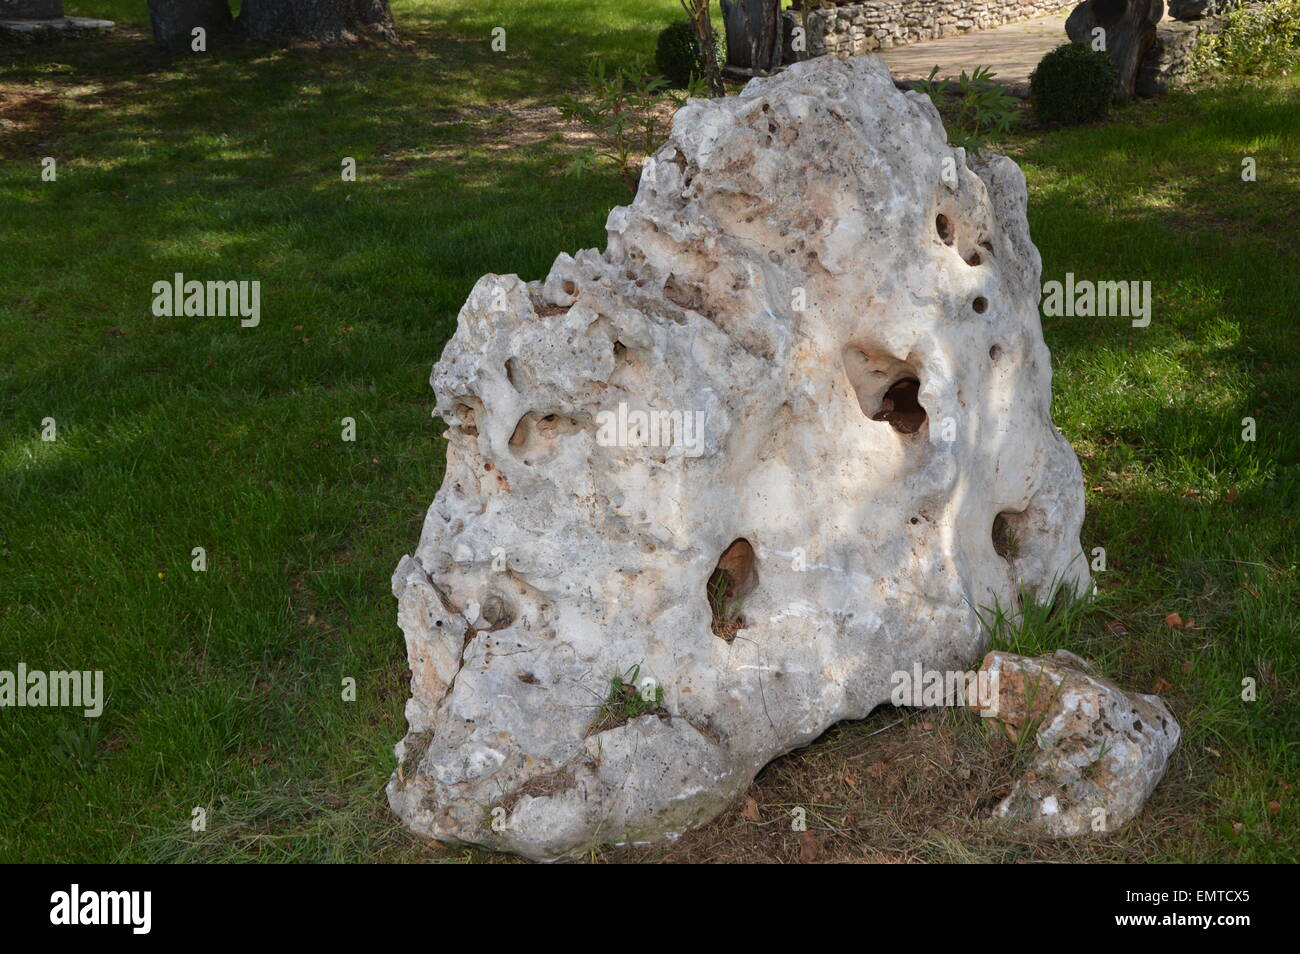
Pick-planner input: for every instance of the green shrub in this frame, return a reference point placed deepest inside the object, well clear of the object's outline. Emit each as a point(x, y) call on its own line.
point(624, 107)
point(1255, 40)
point(678, 56)
point(1072, 84)
point(974, 110)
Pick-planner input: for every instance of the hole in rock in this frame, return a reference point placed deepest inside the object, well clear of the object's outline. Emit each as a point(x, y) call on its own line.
point(682, 295)
point(570, 288)
point(980, 304)
point(901, 408)
point(874, 377)
point(1006, 542)
point(733, 579)
point(943, 226)
point(512, 373)
point(536, 439)
point(468, 422)
point(973, 259)
point(496, 613)
point(995, 352)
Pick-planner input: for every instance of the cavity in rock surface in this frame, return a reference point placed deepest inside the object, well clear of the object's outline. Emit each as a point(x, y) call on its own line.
point(837, 314)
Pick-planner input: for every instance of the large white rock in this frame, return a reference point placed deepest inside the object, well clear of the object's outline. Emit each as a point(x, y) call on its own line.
point(796, 258)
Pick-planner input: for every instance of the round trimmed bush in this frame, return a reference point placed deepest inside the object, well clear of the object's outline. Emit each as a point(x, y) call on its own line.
point(677, 53)
point(1072, 84)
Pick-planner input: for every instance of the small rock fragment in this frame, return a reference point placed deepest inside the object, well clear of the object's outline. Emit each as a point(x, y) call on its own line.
point(1101, 751)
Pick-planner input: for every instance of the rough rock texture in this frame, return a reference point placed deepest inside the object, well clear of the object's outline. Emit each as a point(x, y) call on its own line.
point(851, 305)
point(1101, 750)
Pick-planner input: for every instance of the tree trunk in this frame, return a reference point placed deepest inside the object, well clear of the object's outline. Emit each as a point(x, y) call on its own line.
point(753, 33)
point(173, 23)
point(698, 11)
point(1130, 27)
point(322, 21)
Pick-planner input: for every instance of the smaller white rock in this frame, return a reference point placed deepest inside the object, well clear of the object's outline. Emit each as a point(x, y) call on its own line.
point(1101, 750)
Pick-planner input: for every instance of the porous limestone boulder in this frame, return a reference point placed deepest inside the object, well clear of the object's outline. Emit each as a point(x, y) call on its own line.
point(706, 490)
point(1099, 752)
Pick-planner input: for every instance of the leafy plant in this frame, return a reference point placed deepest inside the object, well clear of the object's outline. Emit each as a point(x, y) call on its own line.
point(628, 110)
point(625, 702)
point(678, 55)
point(1073, 84)
point(725, 602)
point(723, 607)
point(1254, 40)
point(77, 749)
point(984, 111)
point(1040, 626)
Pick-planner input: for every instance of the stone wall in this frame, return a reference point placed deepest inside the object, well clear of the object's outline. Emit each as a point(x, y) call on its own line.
point(1170, 62)
point(880, 24)
point(30, 9)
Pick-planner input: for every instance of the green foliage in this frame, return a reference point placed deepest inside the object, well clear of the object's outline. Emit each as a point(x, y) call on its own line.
point(1073, 84)
point(1040, 626)
point(1256, 40)
point(624, 107)
point(984, 111)
point(719, 584)
point(77, 749)
point(626, 700)
point(678, 54)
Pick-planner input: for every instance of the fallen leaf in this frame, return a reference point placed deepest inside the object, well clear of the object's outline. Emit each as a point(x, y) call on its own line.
point(851, 780)
point(1116, 628)
point(1161, 685)
point(1230, 496)
point(1174, 620)
point(808, 847)
point(297, 327)
point(1251, 590)
point(750, 811)
point(1215, 752)
point(1274, 807)
point(1187, 666)
point(927, 726)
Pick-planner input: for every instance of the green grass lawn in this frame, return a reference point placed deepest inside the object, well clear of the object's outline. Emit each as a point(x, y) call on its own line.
point(225, 686)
